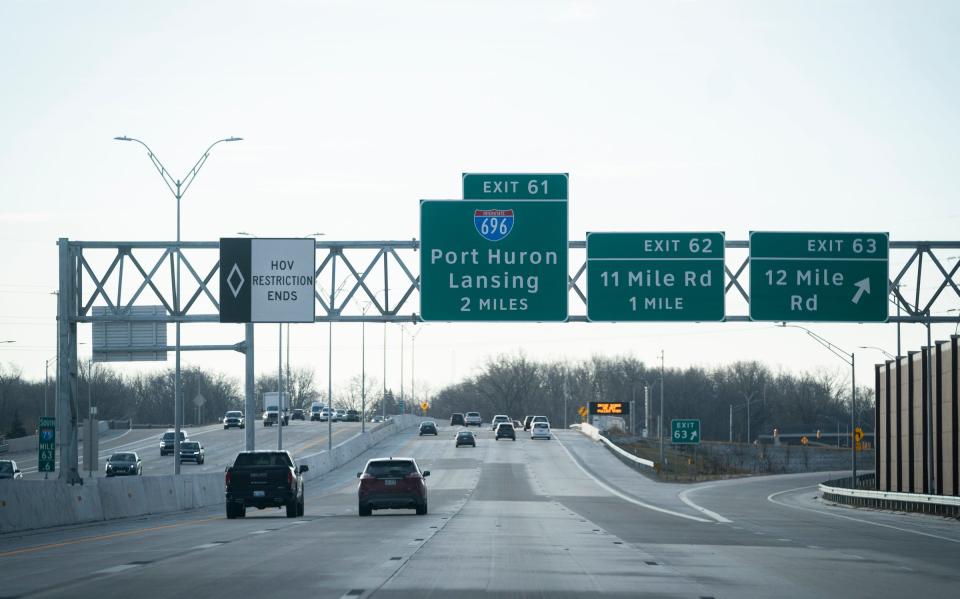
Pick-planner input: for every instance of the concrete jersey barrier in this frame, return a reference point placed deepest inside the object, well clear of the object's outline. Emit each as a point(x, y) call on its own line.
point(31, 504)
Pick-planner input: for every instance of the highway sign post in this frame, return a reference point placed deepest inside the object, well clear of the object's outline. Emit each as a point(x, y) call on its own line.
point(515, 186)
point(655, 277)
point(47, 448)
point(685, 431)
point(493, 260)
point(267, 280)
point(819, 277)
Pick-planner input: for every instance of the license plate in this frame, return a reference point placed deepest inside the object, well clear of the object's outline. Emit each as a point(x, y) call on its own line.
point(259, 493)
point(390, 483)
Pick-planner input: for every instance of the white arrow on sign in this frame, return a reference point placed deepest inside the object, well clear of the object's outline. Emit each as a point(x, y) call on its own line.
point(693, 435)
point(862, 287)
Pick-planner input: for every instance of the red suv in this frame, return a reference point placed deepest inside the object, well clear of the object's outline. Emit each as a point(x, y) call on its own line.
point(392, 483)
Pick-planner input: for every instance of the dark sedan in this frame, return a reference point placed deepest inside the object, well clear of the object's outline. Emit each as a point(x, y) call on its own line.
point(466, 438)
point(191, 451)
point(428, 428)
point(124, 464)
point(505, 430)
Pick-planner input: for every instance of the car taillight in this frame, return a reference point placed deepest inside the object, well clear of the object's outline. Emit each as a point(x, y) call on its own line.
point(414, 475)
point(290, 477)
point(227, 478)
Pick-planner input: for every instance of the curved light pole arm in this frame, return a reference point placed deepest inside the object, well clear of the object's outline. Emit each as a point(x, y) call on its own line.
point(190, 176)
point(164, 174)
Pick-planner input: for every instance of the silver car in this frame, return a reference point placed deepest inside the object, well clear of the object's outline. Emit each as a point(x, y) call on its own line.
point(9, 469)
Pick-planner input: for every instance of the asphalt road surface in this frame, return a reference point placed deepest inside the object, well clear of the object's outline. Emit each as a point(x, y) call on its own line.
point(302, 437)
point(559, 518)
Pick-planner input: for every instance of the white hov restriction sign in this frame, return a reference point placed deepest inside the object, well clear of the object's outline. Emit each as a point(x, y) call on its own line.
point(267, 280)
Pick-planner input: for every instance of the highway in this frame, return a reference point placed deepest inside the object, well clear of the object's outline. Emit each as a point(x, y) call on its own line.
point(220, 446)
point(559, 518)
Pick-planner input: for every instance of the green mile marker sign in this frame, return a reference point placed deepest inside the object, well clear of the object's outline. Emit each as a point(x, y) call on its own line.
point(514, 186)
point(47, 450)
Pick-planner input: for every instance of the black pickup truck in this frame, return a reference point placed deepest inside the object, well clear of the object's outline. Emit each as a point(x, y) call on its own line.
point(264, 479)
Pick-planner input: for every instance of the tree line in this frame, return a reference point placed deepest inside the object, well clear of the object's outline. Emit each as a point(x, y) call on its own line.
point(791, 403)
point(504, 384)
point(147, 398)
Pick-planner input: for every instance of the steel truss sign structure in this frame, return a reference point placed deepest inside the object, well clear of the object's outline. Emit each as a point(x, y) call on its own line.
point(382, 273)
point(375, 285)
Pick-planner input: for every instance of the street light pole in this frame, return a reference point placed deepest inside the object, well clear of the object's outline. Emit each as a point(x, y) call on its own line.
point(849, 358)
point(178, 188)
point(661, 406)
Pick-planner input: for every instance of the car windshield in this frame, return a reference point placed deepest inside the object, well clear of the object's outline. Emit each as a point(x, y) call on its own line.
point(263, 459)
point(6, 468)
point(122, 457)
point(271, 408)
point(427, 424)
point(505, 426)
point(234, 414)
point(190, 446)
point(391, 468)
point(465, 434)
point(473, 413)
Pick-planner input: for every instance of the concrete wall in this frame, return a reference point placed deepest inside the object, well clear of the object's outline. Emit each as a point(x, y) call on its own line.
point(29, 504)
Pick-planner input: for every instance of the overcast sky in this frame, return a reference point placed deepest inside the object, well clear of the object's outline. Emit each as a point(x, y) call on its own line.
point(668, 116)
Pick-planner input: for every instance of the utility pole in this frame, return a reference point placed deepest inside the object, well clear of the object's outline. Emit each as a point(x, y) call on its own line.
point(280, 387)
point(730, 434)
point(662, 459)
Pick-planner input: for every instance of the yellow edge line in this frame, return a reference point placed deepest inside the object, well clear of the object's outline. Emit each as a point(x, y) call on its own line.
point(126, 533)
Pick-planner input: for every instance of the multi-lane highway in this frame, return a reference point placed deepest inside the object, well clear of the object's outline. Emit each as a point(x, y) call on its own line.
point(219, 445)
point(559, 518)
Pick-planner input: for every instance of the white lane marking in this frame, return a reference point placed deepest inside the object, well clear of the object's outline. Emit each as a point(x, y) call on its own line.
point(259, 532)
point(701, 509)
point(771, 499)
point(627, 498)
point(115, 569)
point(851, 555)
point(207, 546)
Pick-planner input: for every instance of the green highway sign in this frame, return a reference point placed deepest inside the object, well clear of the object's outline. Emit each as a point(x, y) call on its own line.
point(47, 448)
point(655, 277)
point(503, 260)
point(685, 431)
point(515, 186)
point(819, 277)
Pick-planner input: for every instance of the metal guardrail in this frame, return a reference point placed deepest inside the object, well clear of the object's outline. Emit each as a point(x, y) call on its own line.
point(4, 445)
point(840, 491)
point(594, 433)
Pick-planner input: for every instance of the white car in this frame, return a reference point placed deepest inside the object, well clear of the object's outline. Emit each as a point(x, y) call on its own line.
point(472, 419)
point(498, 419)
point(540, 430)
